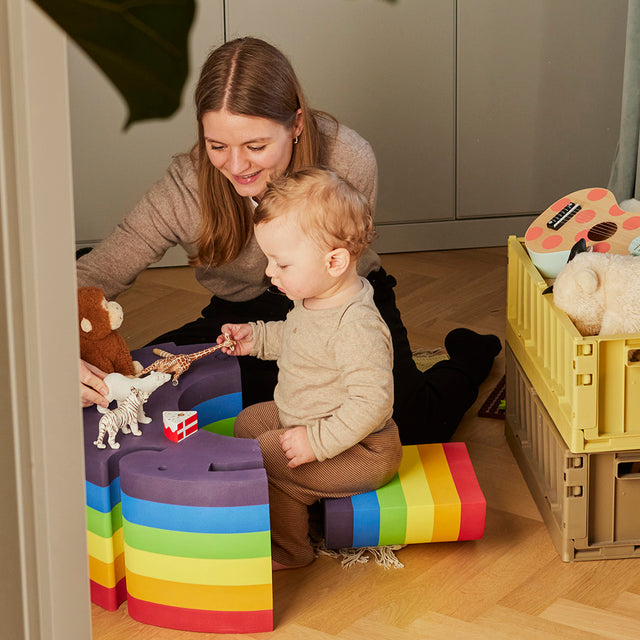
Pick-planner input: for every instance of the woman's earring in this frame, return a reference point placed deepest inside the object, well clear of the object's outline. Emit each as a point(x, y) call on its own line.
point(295, 140)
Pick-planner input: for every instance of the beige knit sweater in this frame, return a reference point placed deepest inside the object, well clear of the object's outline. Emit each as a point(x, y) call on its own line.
point(169, 214)
point(334, 371)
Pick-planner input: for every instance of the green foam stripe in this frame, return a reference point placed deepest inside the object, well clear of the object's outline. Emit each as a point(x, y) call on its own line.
point(221, 427)
point(104, 524)
point(188, 544)
point(393, 512)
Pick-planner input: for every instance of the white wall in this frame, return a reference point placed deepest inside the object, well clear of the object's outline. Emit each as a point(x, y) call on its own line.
point(480, 113)
point(113, 168)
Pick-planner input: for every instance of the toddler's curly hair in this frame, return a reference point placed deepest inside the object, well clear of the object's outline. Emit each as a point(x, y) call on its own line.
point(328, 208)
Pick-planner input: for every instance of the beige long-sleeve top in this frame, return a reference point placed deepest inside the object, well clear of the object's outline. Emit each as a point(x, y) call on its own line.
point(335, 371)
point(169, 214)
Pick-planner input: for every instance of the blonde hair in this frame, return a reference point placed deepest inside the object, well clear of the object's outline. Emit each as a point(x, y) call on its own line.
point(250, 77)
point(328, 208)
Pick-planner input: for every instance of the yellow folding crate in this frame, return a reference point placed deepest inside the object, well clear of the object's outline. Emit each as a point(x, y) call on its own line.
point(589, 385)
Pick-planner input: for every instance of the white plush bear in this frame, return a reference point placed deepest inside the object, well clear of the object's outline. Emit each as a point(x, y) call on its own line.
point(120, 388)
point(600, 292)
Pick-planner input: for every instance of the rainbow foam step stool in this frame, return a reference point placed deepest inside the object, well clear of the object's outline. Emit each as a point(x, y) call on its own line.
point(196, 536)
point(434, 497)
point(212, 387)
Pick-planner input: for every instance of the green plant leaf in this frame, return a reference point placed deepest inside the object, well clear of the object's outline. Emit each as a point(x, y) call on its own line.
point(141, 46)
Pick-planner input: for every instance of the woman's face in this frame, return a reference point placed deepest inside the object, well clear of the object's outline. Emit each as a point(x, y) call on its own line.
point(249, 151)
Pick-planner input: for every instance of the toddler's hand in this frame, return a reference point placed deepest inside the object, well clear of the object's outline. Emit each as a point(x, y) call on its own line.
point(296, 446)
point(242, 334)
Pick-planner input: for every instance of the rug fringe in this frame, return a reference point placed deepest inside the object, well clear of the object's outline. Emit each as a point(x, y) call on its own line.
point(426, 358)
point(384, 555)
point(429, 352)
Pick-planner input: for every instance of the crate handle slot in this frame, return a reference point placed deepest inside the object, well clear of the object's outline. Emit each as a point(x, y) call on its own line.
point(633, 357)
point(628, 470)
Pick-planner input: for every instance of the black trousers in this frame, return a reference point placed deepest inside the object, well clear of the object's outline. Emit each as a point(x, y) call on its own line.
point(428, 405)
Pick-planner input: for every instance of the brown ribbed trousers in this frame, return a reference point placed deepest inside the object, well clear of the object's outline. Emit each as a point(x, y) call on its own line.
point(364, 467)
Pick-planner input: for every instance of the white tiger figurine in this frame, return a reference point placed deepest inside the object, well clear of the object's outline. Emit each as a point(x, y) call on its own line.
point(120, 388)
point(123, 417)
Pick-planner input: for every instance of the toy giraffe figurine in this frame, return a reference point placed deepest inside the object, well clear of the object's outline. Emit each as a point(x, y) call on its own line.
point(178, 364)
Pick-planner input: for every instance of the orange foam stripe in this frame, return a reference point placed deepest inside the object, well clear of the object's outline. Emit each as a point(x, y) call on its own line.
point(105, 573)
point(446, 521)
point(207, 597)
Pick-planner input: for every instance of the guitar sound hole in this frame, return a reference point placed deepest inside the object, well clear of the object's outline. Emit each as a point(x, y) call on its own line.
point(602, 231)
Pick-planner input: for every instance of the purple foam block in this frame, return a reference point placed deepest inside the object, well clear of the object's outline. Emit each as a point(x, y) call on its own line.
point(338, 523)
point(214, 375)
point(204, 470)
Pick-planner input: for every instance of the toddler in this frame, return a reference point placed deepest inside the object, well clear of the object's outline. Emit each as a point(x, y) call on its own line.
point(328, 432)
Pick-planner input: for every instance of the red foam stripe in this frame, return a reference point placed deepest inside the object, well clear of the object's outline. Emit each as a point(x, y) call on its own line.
point(161, 615)
point(473, 506)
point(109, 598)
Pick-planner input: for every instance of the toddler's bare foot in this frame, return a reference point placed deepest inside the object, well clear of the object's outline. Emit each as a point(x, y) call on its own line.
point(277, 566)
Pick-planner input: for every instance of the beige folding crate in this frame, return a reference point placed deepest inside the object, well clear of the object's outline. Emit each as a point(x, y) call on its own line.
point(589, 385)
point(589, 501)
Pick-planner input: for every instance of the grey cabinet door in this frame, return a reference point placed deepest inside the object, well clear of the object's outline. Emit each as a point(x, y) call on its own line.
point(386, 70)
point(481, 112)
point(539, 93)
point(112, 168)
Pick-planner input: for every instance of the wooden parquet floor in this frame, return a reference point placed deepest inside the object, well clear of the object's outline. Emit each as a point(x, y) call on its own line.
point(511, 584)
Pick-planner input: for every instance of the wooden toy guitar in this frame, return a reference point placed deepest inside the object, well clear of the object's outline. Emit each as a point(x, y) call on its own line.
point(589, 214)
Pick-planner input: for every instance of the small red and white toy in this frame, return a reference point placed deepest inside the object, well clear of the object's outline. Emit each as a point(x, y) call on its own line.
point(179, 424)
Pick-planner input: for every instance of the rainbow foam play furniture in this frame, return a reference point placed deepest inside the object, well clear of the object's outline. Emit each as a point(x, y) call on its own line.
point(181, 529)
point(434, 497)
point(196, 535)
point(194, 552)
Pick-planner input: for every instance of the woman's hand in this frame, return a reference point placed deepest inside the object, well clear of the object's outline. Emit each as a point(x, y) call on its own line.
point(242, 334)
point(92, 388)
point(296, 446)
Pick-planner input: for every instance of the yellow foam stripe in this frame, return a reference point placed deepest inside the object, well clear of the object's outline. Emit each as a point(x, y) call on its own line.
point(106, 574)
point(420, 509)
point(232, 571)
point(105, 549)
point(257, 597)
point(446, 524)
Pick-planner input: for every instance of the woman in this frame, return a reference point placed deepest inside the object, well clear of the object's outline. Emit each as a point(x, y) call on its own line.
point(254, 125)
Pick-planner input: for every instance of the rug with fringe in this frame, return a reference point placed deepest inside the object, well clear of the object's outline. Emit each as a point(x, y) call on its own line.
point(384, 556)
point(426, 358)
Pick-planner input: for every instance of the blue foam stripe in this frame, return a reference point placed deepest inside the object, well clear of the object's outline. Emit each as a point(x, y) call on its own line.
point(176, 517)
point(220, 408)
point(103, 499)
point(366, 519)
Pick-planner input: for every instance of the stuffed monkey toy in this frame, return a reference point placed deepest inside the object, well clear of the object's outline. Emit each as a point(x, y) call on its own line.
point(100, 343)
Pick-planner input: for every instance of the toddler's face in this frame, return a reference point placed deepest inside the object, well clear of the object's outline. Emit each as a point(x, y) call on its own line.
point(296, 264)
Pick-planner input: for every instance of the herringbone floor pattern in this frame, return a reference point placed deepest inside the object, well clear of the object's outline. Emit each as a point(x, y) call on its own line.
point(510, 585)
